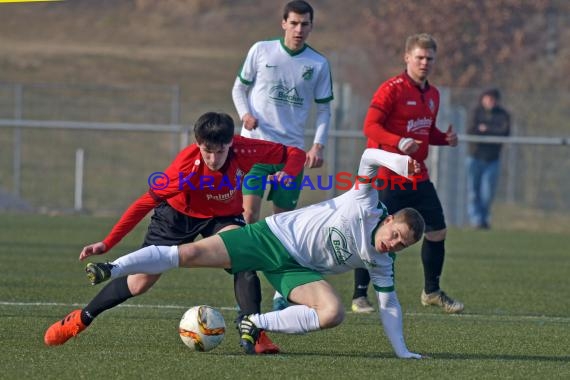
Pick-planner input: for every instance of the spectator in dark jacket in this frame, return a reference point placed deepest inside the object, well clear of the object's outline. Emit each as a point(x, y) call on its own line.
point(483, 161)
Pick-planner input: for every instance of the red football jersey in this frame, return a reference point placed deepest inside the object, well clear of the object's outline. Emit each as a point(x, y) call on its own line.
point(194, 190)
point(400, 108)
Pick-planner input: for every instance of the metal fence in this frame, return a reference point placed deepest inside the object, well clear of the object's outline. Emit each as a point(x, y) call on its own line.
point(535, 160)
point(128, 132)
point(124, 132)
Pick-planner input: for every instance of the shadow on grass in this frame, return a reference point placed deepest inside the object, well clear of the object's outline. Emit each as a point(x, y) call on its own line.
point(358, 355)
point(539, 358)
point(444, 356)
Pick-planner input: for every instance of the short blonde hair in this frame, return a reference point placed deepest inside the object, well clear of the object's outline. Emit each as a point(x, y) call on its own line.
point(421, 40)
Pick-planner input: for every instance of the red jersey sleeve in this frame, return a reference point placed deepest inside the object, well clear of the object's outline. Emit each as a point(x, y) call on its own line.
point(294, 161)
point(130, 218)
point(167, 187)
point(374, 123)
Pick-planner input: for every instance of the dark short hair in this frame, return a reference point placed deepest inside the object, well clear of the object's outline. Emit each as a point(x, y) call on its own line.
point(214, 129)
point(492, 92)
point(298, 6)
point(413, 219)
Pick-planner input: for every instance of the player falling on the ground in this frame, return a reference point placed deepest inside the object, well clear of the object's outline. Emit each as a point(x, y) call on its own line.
point(296, 248)
point(202, 197)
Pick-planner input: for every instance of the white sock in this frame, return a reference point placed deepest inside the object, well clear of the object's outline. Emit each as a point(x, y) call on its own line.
point(150, 260)
point(297, 319)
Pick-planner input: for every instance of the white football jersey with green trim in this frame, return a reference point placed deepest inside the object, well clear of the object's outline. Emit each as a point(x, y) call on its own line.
point(337, 235)
point(284, 84)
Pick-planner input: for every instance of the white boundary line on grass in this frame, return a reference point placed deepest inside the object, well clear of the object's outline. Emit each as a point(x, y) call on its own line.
point(498, 317)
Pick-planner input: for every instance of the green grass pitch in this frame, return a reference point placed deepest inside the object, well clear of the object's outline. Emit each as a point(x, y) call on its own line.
point(516, 324)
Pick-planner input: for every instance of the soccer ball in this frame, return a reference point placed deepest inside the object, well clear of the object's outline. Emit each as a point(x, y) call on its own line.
point(202, 328)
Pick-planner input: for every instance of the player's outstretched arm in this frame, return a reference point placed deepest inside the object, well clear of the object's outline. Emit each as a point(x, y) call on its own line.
point(372, 159)
point(391, 316)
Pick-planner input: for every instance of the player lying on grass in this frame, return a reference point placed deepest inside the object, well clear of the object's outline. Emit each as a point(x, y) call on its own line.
point(296, 248)
point(199, 195)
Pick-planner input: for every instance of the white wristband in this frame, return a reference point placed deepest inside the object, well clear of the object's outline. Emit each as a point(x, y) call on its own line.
point(403, 142)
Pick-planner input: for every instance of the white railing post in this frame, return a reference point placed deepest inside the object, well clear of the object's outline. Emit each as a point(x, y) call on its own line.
point(78, 204)
point(17, 154)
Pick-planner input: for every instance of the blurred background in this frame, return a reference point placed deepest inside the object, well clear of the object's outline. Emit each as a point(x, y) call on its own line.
point(97, 95)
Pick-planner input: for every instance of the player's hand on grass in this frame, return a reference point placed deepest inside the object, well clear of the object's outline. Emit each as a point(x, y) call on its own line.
point(412, 355)
point(93, 249)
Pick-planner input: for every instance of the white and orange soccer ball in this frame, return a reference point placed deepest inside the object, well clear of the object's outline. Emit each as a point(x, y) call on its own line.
point(202, 328)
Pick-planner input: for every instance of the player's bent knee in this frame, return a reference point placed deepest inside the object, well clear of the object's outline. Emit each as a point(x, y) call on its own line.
point(141, 283)
point(188, 254)
point(330, 317)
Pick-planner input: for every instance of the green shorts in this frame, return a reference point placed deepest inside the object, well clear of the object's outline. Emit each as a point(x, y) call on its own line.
point(283, 196)
point(255, 247)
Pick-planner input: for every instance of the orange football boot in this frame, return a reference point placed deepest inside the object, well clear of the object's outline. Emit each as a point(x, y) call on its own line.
point(61, 331)
point(264, 345)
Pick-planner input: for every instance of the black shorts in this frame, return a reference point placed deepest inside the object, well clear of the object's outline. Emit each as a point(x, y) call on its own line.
point(423, 198)
point(170, 227)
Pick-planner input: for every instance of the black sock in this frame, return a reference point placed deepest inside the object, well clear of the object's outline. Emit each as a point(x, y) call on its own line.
point(115, 293)
point(433, 253)
point(247, 289)
point(361, 281)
